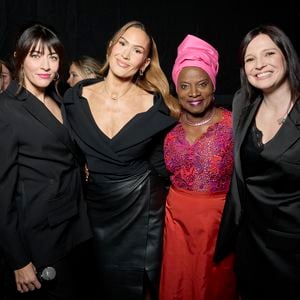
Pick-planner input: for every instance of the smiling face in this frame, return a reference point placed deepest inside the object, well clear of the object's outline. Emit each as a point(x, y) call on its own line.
point(264, 63)
point(195, 90)
point(130, 53)
point(40, 67)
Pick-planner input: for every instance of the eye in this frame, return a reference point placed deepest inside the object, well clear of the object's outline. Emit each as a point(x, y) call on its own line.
point(270, 53)
point(138, 51)
point(35, 55)
point(249, 59)
point(122, 43)
point(54, 57)
point(203, 84)
point(184, 86)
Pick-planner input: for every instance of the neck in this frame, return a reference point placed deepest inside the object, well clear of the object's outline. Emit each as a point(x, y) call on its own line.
point(275, 97)
point(39, 93)
point(203, 121)
point(114, 92)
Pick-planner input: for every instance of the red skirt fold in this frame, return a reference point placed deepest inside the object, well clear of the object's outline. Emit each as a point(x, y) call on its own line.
point(188, 272)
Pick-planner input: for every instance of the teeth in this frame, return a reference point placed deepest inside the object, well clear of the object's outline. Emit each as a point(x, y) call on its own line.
point(263, 74)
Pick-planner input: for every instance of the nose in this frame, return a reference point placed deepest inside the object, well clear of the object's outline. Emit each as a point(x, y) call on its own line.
point(260, 63)
point(45, 64)
point(126, 53)
point(194, 91)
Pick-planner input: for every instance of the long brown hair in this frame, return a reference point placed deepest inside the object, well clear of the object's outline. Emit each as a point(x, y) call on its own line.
point(291, 57)
point(153, 79)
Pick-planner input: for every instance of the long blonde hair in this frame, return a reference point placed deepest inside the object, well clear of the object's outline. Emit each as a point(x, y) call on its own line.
point(153, 79)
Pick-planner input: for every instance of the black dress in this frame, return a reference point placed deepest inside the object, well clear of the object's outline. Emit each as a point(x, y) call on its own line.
point(126, 195)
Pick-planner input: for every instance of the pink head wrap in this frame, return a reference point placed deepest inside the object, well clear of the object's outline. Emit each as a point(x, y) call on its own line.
point(194, 52)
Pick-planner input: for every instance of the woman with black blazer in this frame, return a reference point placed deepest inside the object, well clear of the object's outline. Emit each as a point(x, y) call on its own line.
point(42, 213)
point(261, 218)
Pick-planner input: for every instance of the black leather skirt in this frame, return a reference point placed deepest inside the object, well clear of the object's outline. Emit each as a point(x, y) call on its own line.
point(127, 218)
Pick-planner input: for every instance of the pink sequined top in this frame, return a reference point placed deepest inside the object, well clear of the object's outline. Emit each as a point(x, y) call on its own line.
point(207, 164)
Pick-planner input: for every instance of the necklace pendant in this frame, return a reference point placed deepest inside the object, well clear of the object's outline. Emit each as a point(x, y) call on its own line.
point(114, 97)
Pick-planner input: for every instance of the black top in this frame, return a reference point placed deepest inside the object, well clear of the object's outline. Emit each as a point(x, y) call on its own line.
point(136, 147)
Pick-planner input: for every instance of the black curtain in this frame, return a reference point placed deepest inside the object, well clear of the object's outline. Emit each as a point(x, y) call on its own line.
point(85, 26)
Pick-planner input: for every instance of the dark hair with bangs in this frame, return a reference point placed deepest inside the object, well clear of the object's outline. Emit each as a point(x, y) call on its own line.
point(29, 39)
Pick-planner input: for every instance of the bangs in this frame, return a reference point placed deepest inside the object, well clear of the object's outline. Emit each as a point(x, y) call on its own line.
point(40, 46)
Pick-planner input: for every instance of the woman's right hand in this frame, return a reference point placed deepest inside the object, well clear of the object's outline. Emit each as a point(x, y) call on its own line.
point(26, 279)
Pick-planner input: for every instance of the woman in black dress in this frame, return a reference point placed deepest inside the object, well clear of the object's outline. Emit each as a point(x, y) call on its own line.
point(120, 122)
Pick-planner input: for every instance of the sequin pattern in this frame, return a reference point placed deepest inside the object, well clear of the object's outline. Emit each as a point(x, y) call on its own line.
point(206, 165)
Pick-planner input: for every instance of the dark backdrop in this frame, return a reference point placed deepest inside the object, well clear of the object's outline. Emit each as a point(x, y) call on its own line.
point(86, 25)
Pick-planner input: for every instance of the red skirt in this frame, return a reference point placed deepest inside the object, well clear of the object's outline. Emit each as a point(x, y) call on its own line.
point(188, 271)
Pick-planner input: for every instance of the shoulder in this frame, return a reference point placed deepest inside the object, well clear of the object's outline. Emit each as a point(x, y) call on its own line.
point(225, 112)
point(160, 103)
point(7, 102)
point(76, 91)
point(239, 100)
point(224, 115)
point(11, 110)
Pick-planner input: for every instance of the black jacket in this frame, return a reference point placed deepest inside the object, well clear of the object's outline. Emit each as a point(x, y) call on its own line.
point(42, 213)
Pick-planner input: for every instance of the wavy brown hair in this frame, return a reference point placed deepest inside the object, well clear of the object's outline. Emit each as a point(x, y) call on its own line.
point(153, 79)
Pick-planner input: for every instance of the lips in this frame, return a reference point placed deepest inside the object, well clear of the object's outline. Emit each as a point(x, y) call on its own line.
point(263, 74)
point(195, 102)
point(44, 76)
point(122, 64)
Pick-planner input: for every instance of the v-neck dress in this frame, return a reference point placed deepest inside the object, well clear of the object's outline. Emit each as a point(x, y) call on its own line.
point(125, 194)
point(200, 176)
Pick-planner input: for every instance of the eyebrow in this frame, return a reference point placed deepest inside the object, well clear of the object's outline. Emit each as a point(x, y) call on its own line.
point(135, 45)
point(264, 50)
point(42, 51)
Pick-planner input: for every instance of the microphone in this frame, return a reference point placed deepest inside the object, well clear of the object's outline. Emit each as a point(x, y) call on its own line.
point(47, 274)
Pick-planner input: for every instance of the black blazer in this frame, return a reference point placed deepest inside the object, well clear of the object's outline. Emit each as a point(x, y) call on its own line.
point(282, 231)
point(42, 213)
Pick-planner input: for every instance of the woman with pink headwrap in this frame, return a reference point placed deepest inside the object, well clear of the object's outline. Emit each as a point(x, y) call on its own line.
point(199, 156)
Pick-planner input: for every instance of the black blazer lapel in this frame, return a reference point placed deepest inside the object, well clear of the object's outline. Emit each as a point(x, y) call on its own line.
point(45, 117)
point(245, 121)
point(287, 135)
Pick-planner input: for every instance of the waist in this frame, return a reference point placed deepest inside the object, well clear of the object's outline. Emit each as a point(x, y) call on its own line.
point(197, 194)
point(102, 188)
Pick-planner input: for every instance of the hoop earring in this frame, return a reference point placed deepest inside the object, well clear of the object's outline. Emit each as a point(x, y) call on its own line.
point(56, 77)
point(141, 72)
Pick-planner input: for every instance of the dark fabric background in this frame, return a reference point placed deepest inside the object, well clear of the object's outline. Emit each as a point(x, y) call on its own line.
point(86, 25)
